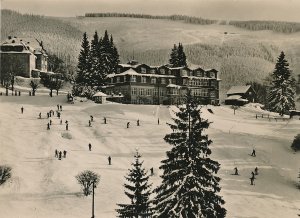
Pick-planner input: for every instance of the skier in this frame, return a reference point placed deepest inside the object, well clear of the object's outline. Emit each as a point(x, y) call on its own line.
point(253, 153)
point(104, 120)
point(50, 122)
point(92, 118)
point(90, 124)
point(52, 112)
point(138, 122)
point(253, 176)
point(252, 181)
point(256, 171)
point(65, 153)
point(90, 146)
point(59, 155)
point(56, 153)
point(48, 126)
point(47, 115)
point(40, 115)
point(109, 160)
point(152, 171)
point(158, 121)
point(128, 123)
point(236, 172)
point(60, 107)
point(58, 115)
point(67, 126)
point(22, 109)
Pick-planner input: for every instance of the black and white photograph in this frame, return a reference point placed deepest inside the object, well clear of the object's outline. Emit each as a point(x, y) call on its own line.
point(150, 109)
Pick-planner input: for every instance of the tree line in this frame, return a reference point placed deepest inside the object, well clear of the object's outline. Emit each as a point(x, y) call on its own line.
point(186, 19)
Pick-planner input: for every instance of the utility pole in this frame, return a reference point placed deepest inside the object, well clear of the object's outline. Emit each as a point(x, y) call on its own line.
point(93, 207)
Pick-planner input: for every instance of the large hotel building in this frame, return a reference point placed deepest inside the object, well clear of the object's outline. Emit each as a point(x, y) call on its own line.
point(143, 84)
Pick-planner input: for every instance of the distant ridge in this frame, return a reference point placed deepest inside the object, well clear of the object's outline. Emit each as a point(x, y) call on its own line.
point(187, 19)
point(254, 25)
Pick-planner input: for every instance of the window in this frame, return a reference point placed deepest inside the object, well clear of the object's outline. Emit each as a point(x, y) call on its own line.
point(153, 80)
point(183, 73)
point(198, 73)
point(155, 91)
point(143, 70)
point(212, 94)
point(170, 81)
point(162, 71)
point(144, 79)
point(184, 81)
point(148, 92)
point(133, 79)
point(152, 71)
point(174, 91)
point(118, 70)
point(212, 74)
point(133, 91)
point(161, 92)
point(163, 81)
point(142, 92)
point(118, 79)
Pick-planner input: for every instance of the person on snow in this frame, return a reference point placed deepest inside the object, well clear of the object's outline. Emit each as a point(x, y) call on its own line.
point(152, 171)
point(251, 181)
point(22, 110)
point(90, 146)
point(90, 124)
point(158, 121)
point(56, 153)
point(50, 122)
point(65, 153)
point(40, 115)
point(60, 107)
point(109, 160)
point(253, 153)
point(256, 171)
point(92, 118)
point(59, 155)
point(253, 176)
point(128, 123)
point(138, 122)
point(236, 172)
point(48, 126)
point(60, 122)
point(104, 120)
point(67, 126)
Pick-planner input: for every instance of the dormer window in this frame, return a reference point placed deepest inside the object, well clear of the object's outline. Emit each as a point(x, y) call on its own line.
point(143, 70)
point(118, 79)
point(152, 71)
point(212, 74)
point(118, 70)
point(133, 79)
point(162, 71)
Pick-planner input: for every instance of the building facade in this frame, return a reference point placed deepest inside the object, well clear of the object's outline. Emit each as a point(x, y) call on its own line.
point(144, 84)
point(22, 57)
point(240, 95)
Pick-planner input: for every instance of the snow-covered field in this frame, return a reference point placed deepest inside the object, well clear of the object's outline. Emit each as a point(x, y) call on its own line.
point(42, 186)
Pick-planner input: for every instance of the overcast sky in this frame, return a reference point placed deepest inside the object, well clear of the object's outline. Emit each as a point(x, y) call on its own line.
point(288, 10)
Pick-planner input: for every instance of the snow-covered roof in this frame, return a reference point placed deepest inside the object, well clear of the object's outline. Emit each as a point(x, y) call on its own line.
point(236, 97)
point(173, 86)
point(99, 94)
point(130, 72)
point(238, 89)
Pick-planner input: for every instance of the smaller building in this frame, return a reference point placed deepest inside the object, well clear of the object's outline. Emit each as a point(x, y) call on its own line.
point(240, 95)
point(99, 97)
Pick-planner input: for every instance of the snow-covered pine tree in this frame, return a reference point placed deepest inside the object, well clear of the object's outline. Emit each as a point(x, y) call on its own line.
point(174, 56)
point(189, 185)
point(282, 91)
point(181, 56)
point(138, 190)
point(95, 71)
point(83, 61)
point(115, 58)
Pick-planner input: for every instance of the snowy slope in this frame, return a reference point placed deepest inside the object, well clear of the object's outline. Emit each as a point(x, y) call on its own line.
point(43, 186)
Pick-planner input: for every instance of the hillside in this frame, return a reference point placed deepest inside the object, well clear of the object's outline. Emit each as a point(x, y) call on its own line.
point(43, 186)
point(240, 55)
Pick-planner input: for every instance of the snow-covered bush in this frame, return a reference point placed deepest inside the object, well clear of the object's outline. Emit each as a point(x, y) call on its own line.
point(5, 174)
point(83, 91)
point(296, 143)
point(86, 180)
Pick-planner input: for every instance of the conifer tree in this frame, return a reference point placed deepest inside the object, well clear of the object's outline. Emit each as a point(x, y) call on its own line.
point(282, 92)
point(181, 56)
point(95, 71)
point(83, 61)
point(138, 191)
point(177, 56)
point(189, 187)
point(115, 58)
point(174, 56)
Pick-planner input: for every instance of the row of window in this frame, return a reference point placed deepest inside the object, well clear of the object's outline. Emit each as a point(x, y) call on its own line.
point(200, 92)
point(147, 92)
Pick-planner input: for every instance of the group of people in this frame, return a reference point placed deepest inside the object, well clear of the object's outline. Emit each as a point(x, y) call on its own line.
point(253, 174)
point(60, 154)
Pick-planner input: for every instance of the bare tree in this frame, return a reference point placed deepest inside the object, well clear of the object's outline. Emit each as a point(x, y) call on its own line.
point(34, 85)
point(5, 174)
point(86, 180)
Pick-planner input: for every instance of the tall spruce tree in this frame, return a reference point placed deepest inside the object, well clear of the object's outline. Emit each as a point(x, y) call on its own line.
point(95, 70)
point(174, 56)
point(189, 187)
point(83, 66)
point(115, 58)
point(177, 56)
point(138, 190)
point(282, 91)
